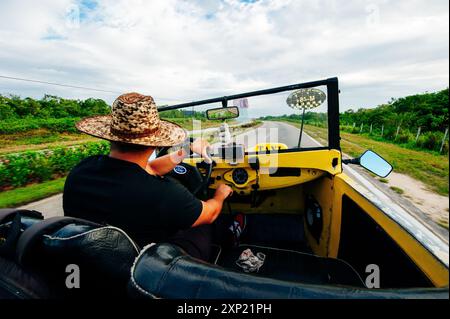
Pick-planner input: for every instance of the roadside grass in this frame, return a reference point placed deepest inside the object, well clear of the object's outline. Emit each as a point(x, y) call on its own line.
point(31, 193)
point(383, 180)
point(443, 223)
point(430, 168)
point(398, 190)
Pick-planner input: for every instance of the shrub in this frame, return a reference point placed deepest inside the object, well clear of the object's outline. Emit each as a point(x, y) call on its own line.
point(430, 140)
point(37, 166)
point(389, 134)
point(404, 137)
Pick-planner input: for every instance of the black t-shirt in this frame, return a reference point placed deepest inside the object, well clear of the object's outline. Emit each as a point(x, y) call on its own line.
point(122, 194)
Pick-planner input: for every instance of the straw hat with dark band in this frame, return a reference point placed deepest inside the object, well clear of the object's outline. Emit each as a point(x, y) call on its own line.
point(134, 119)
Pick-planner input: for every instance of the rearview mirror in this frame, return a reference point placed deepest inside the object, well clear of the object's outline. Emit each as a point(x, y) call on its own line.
point(223, 113)
point(375, 164)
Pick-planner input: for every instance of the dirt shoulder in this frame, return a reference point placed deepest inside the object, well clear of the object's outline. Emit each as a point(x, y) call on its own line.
point(430, 203)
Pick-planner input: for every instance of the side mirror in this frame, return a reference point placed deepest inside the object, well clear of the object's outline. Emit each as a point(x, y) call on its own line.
point(223, 113)
point(373, 163)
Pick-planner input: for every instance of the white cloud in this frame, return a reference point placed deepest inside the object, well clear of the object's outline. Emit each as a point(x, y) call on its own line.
point(185, 50)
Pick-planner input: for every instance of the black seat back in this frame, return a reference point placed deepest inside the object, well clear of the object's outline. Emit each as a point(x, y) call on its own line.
point(15, 281)
point(63, 247)
point(12, 224)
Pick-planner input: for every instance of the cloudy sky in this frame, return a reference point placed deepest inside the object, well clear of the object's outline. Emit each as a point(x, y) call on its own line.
point(184, 50)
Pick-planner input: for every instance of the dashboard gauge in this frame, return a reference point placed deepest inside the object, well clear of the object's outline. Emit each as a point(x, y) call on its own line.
point(240, 176)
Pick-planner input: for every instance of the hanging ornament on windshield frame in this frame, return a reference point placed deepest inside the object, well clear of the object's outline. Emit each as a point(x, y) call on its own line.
point(306, 99)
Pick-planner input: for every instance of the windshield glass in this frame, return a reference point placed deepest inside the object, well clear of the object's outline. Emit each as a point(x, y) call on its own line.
point(268, 121)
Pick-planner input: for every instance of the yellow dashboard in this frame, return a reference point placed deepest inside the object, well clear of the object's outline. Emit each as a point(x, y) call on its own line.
point(273, 170)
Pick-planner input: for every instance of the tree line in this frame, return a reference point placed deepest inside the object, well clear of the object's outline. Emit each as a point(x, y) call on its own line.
point(310, 118)
point(428, 111)
point(50, 106)
point(416, 121)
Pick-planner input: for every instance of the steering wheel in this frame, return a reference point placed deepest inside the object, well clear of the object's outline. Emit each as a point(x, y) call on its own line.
point(206, 178)
point(190, 176)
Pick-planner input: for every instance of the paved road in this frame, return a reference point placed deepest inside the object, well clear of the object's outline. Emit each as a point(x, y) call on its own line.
point(275, 132)
point(49, 207)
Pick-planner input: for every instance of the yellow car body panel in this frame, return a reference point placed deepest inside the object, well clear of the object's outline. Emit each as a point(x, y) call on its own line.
point(320, 175)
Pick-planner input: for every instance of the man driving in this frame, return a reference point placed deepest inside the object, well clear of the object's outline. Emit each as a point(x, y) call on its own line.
point(125, 190)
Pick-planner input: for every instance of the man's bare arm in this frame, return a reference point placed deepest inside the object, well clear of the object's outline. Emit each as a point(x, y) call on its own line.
point(213, 207)
point(164, 164)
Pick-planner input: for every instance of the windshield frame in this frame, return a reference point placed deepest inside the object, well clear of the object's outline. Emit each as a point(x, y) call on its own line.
point(332, 85)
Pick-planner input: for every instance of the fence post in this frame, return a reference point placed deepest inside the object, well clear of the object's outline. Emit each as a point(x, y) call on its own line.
point(362, 126)
point(443, 140)
point(382, 130)
point(371, 129)
point(418, 133)
point(398, 131)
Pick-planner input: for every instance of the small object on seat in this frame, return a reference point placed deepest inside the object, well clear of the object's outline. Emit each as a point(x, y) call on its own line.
point(250, 262)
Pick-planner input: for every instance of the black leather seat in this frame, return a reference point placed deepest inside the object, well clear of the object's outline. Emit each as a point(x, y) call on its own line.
point(104, 256)
point(15, 281)
point(166, 271)
point(19, 283)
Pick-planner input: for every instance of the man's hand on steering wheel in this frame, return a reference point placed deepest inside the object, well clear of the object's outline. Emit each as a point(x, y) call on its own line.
point(202, 147)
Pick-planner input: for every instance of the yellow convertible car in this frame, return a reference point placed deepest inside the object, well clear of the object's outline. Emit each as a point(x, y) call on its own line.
point(316, 226)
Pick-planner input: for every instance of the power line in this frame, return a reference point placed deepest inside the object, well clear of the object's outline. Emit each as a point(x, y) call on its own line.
point(70, 86)
point(56, 84)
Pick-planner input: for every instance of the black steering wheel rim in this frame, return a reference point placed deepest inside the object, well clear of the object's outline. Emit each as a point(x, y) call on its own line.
point(205, 178)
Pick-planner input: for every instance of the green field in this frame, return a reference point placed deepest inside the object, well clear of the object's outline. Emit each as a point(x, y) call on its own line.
point(428, 167)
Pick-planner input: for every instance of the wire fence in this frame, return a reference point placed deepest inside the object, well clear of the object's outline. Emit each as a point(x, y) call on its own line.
point(416, 137)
